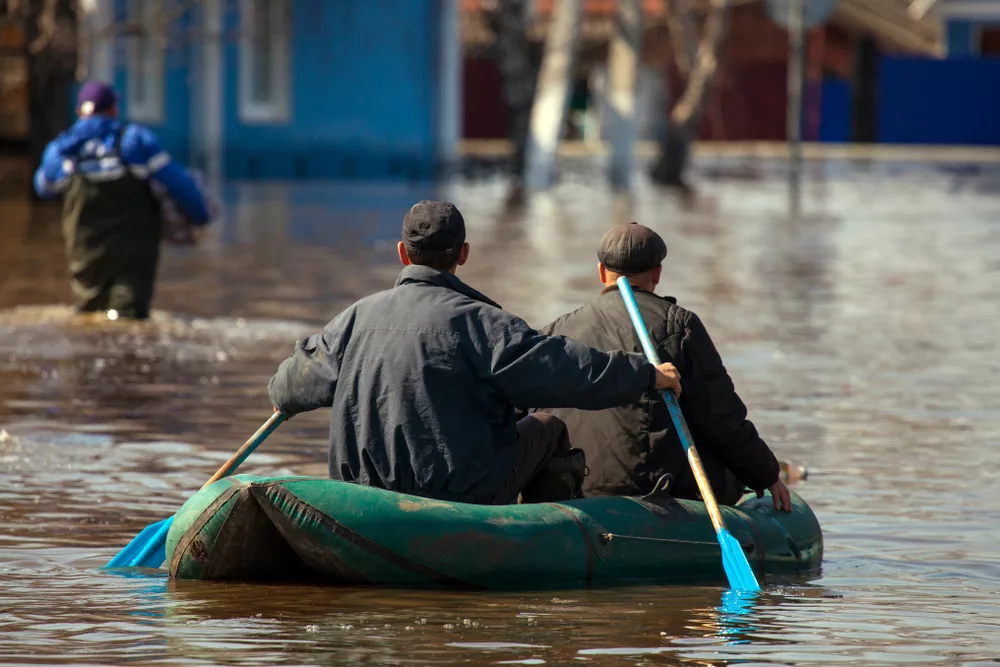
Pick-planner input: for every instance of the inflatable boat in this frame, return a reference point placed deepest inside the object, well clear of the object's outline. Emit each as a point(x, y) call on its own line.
point(312, 530)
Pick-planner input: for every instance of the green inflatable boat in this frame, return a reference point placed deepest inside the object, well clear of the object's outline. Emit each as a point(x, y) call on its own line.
point(307, 529)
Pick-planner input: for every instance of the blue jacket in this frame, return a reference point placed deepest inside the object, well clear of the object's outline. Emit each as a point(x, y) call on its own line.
point(82, 145)
point(424, 378)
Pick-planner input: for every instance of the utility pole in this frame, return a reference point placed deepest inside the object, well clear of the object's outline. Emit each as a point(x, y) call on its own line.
point(796, 73)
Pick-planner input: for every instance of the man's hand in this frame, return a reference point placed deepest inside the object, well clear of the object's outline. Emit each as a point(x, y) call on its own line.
point(779, 494)
point(667, 377)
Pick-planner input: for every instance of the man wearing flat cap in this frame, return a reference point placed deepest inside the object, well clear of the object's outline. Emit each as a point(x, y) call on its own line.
point(629, 448)
point(424, 379)
point(103, 169)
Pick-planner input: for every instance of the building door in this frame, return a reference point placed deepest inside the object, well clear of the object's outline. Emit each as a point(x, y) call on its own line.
point(989, 40)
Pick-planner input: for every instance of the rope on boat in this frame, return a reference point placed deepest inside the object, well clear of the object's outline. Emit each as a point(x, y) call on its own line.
point(607, 537)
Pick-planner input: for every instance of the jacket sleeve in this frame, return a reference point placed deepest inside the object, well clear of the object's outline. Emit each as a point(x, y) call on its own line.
point(717, 411)
point(539, 371)
point(307, 380)
point(53, 174)
point(144, 153)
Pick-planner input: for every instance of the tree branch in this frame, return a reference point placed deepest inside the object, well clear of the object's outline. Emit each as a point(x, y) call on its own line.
point(47, 25)
point(683, 35)
point(706, 64)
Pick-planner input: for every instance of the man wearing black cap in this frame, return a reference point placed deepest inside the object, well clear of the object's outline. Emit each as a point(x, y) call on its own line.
point(111, 221)
point(630, 448)
point(424, 378)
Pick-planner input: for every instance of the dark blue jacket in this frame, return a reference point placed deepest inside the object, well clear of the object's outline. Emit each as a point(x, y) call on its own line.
point(83, 148)
point(424, 379)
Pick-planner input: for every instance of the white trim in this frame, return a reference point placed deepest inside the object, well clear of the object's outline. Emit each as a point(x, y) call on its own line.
point(104, 176)
point(149, 110)
point(196, 84)
point(213, 93)
point(967, 9)
point(153, 165)
point(102, 49)
point(277, 24)
point(449, 82)
point(158, 162)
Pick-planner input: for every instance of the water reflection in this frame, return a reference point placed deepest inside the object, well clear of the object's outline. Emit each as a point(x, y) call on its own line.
point(736, 616)
point(477, 628)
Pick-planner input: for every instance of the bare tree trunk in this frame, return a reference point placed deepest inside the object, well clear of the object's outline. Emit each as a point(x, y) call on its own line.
point(621, 85)
point(510, 21)
point(683, 35)
point(552, 94)
point(675, 147)
point(50, 34)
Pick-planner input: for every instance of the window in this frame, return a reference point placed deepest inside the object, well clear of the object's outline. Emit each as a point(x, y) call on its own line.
point(144, 85)
point(264, 60)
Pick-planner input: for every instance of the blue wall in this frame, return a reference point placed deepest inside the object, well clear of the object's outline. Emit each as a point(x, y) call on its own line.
point(953, 101)
point(835, 114)
point(363, 95)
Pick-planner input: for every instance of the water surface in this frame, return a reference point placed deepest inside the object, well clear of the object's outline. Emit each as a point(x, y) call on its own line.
point(862, 336)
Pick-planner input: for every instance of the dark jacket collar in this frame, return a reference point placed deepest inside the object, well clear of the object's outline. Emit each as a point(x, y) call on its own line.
point(425, 275)
point(614, 288)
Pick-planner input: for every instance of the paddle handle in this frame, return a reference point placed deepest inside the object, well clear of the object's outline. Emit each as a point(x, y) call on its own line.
point(694, 460)
point(673, 407)
point(237, 459)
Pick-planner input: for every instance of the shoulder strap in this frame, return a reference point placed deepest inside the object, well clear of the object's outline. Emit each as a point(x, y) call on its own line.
point(116, 149)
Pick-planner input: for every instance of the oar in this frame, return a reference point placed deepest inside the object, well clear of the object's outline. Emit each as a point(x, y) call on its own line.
point(148, 548)
point(734, 561)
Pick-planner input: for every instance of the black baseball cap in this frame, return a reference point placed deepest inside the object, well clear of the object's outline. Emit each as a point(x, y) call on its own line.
point(631, 249)
point(433, 228)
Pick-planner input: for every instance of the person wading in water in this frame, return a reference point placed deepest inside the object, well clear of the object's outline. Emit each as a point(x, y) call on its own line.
point(424, 378)
point(111, 220)
point(630, 448)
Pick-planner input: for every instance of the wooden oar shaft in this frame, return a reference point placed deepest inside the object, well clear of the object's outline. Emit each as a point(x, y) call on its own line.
point(694, 460)
point(236, 459)
point(699, 475)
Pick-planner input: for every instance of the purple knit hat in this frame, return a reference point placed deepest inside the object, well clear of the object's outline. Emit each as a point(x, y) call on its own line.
point(95, 97)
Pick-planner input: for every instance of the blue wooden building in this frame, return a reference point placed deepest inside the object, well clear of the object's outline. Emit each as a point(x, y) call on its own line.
point(288, 89)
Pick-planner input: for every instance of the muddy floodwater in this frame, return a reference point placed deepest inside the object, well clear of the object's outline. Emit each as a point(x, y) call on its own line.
point(864, 336)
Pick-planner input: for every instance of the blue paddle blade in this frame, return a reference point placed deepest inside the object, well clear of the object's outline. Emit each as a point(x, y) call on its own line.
point(147, 549)
point(734, 561)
